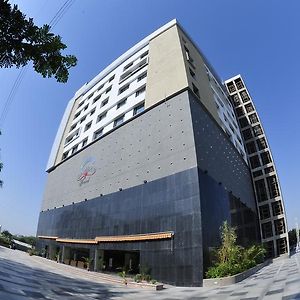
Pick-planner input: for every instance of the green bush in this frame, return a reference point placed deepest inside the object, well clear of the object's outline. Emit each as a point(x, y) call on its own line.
point(138, 278)
point(33, 252)
point(231, 258)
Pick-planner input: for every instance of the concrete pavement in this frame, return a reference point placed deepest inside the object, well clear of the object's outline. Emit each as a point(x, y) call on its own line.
point(26, 277)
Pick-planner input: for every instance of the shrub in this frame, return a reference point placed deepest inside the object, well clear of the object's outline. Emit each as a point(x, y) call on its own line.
point(138, 278)
point(231, 258)
point(32, 252)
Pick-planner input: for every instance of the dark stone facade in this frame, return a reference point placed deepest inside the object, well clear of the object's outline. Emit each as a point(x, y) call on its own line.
point(192, 203)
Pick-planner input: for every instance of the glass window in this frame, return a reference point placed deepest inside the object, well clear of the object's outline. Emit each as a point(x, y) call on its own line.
point(247, 134)
point(104, 102)
point(121, 103)
point(251, 148)
point(96, 99)
point(254, 161)
point(240, 111)
point(111, 78)
point(257, 130)
point(249, 107)
point(98, 133)
point(101, 117)
point(266, 158)
point(269, 170)
point(253, 118)
point(123, 88)
point(140, 91)
point(84, 142)
point(277, 208)
point(261, 190)
point(138, 109)
point(279, 226)
point(236, 100)
point(88, 126)
point(245, 97)
point(119, 121)
point(262, 144)
point(90, 95)
point(273, 186)
point(257, 173)
point(264, 212)
point(243, 122)
point(267, 230)
point(144, 75)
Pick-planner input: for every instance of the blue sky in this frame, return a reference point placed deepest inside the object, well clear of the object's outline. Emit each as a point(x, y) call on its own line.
point(258, 39)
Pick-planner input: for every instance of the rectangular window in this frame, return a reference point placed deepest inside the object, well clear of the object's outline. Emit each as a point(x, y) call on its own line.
point(239, 84)
point(236, 100)
point(269, 170)
point(98, 134)
point(273, 186)
point(247, 134)
point(249, 107)
point(65, 155)
point(277, 208)
point(254, 161)
point(121, 103)
point(196, 90)
point(253, 118)
point(267, 230)
point(261, 190)
point(74, 149)
point(100, 87)
point(257, 130)
point(86, 107)
point(243, 122)
point(123, 89)
point(281, 246)
point(73, 127)
point(80, 104)
point(111, 78)
point(144, 54)
point(192, 73)
point(264, 212)
point(84, 142)
point(141, 77)
point(77, 115)
point(231, 87)
point(245, 97)
point(140, 91)
point(83, 119)
point(119, 121)
point(251, 147)
point(279, 226)
point(128, 66)
point(266, 158)
point(96, 99)
point(240, 111)
point(108, 90)
point(257, 173)
point(138, 109)
point(262, 144)
point(101, 117)
point(104, 102)
point(92, 111)
point(91, 95)
point(88, 126)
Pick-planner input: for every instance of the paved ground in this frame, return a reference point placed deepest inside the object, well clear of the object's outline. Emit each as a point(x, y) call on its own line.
point(25, 277)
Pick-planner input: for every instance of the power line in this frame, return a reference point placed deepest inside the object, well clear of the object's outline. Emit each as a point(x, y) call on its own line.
point(53, 22)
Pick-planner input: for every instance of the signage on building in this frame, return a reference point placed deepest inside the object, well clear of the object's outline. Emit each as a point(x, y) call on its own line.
point(87, 170)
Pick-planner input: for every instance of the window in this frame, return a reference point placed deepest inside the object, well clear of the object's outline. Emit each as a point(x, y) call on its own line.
point(277, 208)
point(101, 117)
point(266, 158)
point(92, 111)
point(262, 144)
point(264, 212)
point(144, 75)
point(244, 122)
point(236, 100)
point(88, 126)
point(261, 190)
point(257, 173)
point(84, 142)
point(108, 90)
point(86, 107)
point(121, 103)
point(96, 99)
point(74, 149)
point(196, 90)
point(231, 87)
point(144, 54)
point(77, 115)
point(140, 91)
point(247, 134)
point(80, 104)
point(251, 148)
point(123, 88)
point(257, 130)
point(239, 84)
point(279, 226)
point(100, 87)
point(119, 121)
point(128, 66)
point(192, 73)
point(83, 119)
point(111, 78)
point(253, 118)
point(91, 95)
point(267, 230)
point(249, 107)
point(98, 133)
point(188, 56)
point(104, 102)
point(273, 186)
point(245, 97)
point(240, 111)
point(269, 170)
point(138, 109)
point(73, 127)
point(281, 246)
point(65, 155)
point(254, 161)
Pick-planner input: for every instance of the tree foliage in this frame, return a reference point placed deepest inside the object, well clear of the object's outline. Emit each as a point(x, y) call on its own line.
point(231, 258)
point(21, 41)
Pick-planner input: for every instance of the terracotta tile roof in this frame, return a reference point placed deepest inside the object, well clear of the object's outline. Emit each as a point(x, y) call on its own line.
point(76, 241)
point(46, 237)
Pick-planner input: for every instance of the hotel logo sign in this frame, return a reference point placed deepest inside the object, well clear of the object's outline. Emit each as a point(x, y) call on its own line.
point(87, 170)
